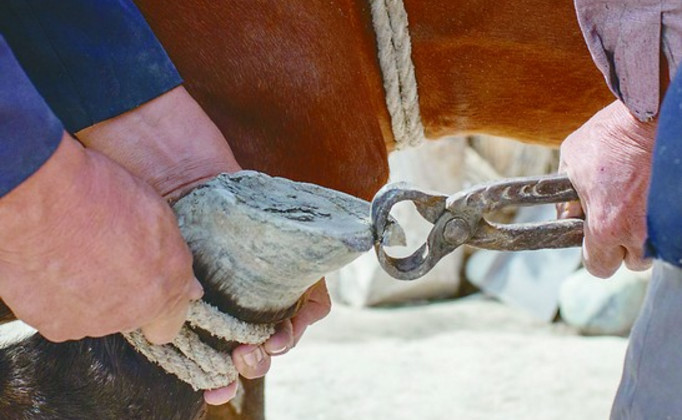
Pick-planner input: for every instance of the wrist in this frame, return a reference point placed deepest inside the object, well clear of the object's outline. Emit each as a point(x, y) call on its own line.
point(169, 142)
point(638, 133)
point(46, 191)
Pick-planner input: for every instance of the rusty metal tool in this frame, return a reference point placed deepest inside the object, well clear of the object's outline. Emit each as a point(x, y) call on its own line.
point(460, 219)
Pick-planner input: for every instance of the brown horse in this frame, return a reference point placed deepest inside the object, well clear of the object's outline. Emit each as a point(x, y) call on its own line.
point(296, 89)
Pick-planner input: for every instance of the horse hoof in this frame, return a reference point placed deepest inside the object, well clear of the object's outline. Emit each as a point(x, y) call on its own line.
point(259, 242)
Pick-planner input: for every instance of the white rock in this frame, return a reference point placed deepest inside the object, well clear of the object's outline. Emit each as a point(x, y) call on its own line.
point(603, 306)
point(528, 279)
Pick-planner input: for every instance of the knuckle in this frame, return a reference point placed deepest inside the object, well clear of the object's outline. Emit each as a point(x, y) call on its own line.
point(601, 270)
point(638, 263)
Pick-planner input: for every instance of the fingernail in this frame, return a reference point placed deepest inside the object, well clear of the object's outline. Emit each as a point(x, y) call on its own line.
point(221, 396)
point(197, 290)
point(253, 359)
point(275, 349)
point(277, 344)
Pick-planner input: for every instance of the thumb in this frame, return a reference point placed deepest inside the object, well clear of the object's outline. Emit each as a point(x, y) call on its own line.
point(166, 326)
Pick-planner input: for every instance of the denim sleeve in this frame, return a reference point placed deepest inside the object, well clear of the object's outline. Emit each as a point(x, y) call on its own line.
point(29, 131)
point(90, 60)
point(664, 206)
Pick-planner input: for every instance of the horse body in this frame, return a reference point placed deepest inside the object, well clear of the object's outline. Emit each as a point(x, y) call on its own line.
point(296, 89)
point(293, 85)
point(518, 70)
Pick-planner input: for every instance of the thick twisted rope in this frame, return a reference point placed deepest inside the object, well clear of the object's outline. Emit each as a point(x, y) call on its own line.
point(192, 360)
point(395, 59)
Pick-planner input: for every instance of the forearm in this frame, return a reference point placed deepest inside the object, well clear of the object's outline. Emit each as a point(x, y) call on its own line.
point(104, 73)
point(169, 142)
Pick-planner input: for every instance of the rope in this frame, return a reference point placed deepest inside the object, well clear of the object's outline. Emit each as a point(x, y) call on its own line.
point(192, 360)
point(395, 59)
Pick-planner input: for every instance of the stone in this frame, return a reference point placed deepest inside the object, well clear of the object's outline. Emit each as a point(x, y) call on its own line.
point(529, 280)
point(603, 306)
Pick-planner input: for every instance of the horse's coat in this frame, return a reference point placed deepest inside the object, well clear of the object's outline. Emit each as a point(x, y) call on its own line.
point(296, 86)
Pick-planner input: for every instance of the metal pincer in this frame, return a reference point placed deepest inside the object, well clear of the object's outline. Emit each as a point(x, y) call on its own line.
point(460, 219)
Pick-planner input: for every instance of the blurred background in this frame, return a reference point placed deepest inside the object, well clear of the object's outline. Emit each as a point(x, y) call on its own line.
point(484, 335)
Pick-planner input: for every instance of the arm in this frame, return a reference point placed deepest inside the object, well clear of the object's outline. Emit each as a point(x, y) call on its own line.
point(61, 215)
point(173, 145)
point(609, 158)
point(155, 130)
point(90, 60)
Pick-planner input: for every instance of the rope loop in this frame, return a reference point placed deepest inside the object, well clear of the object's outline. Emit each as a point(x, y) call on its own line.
point(395, 59)
point(192, 360)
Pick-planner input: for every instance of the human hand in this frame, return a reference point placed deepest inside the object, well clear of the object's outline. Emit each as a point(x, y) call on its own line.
point(254, 361)
point(169, 142)
point(86, 249)
point(608, 160)
point(173, 145)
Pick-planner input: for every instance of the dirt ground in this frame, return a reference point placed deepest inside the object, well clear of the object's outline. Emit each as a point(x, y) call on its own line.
point(469, 359)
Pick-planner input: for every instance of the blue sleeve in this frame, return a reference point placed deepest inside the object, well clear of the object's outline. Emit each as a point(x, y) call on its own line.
point(90, 59)
point(664, 206)
point(29, 131)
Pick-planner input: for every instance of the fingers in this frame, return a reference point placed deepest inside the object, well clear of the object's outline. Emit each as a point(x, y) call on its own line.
point(634, 259)
point(196, 290)
point(570, 210)
point(254, 361)
point(600, 258)
point(603, 262)
point(60, 335)
point(165, 327)
point(221, 396)
point(251, 361)
point(282, 340)
point(316, 307)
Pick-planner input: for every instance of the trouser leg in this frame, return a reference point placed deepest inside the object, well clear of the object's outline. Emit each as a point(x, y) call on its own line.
point(651, 386)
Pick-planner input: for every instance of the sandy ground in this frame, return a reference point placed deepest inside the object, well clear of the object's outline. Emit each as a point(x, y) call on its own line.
point(469, 359)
